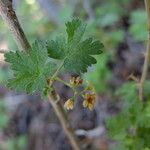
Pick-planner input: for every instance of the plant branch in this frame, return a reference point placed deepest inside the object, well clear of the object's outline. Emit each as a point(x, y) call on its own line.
point(10, 18)
point(147, 55)
point(61, 114)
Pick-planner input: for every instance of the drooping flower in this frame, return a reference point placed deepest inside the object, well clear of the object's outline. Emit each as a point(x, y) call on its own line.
point(76, 81)
point(89, 100)
point(69, 104)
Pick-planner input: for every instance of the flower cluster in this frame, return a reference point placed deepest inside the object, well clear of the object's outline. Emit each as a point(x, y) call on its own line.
point(88, 94)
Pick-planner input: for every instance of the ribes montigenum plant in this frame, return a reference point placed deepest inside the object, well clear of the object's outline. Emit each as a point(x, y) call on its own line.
point(37, 69)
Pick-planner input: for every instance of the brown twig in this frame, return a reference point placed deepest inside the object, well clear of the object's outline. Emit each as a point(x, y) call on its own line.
point(61, 114)
point(147, 55)
point(11, 20)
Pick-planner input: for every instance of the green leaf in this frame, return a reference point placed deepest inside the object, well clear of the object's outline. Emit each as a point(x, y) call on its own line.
point(56, 49)
point(30, 70)
point(79, 58)
point(72, 27)
point(76, 54)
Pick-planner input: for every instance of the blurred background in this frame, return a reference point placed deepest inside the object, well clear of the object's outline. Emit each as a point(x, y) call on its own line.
point(29, 123)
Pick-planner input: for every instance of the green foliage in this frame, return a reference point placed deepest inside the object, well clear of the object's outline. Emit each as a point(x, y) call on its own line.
point(109, 19)
point(5, 74)
point(33, 69)
point(131, 127)
point(138, 27)
point(110, 12)
point(100, 75)
point(75, 53)
point(30, 70)
point(3, 115)
point(18, 143)
point(72, 27)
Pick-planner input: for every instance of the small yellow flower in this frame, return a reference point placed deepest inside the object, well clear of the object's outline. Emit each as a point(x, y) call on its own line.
point(89, 100)
point(75, 81)
point(69, 104)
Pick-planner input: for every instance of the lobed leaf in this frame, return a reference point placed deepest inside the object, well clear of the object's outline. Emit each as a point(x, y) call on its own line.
point(30, 70)
point(77, 54)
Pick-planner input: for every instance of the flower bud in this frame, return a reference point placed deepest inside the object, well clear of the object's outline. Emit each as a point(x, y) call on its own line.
point(76, 81)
